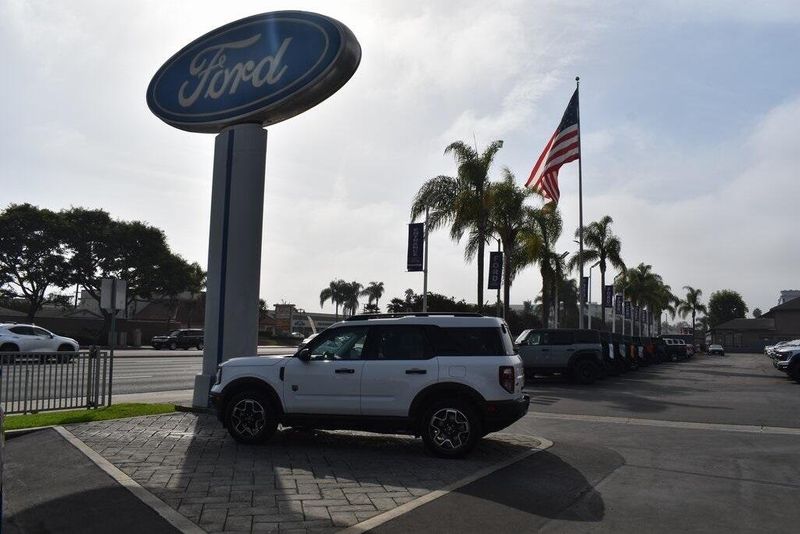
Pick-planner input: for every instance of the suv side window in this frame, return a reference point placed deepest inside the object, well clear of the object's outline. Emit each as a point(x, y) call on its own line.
point(534, 338)
point(400, 343)
point(41, 332)
point(340, 344)
point(483, 341)
point(586, 336)
point(22, 330)
point(559, 337)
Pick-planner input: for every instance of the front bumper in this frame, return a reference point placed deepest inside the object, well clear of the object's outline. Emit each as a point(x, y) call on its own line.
point(498, 415)
point(781, 365)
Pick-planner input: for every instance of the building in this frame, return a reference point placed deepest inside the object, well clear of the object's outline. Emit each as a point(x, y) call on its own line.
point(787, 295)
point(781, 323)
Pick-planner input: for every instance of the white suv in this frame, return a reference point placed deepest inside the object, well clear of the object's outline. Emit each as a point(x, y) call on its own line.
point(450, 378)
point(31, 338)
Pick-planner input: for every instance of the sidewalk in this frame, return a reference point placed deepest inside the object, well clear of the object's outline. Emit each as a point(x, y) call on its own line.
point(180, 397)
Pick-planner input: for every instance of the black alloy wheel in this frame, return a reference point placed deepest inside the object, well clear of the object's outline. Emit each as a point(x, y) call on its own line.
point(250, 417)
point(173, 345)
point(8, 347)
point(450, 428)
point(200, 346)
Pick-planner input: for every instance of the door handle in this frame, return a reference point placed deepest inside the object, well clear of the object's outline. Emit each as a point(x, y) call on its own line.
point(416, 371)
point(345, 371)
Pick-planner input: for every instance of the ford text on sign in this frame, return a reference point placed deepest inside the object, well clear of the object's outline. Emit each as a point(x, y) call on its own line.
point(262, 69)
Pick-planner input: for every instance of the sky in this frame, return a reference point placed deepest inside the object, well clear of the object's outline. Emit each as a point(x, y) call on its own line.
point(690, 120)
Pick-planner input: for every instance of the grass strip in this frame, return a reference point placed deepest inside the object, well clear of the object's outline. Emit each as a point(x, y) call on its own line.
point(116, 411)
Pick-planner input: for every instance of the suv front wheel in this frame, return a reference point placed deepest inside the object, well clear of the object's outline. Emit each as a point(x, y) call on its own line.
point(586, 371)
point(250, 417)
point(450, 428)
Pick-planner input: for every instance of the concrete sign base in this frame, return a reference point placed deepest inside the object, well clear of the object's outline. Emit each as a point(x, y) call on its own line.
point(234, 251)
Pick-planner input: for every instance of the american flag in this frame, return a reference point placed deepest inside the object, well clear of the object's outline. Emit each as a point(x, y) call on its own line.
point(563, 147)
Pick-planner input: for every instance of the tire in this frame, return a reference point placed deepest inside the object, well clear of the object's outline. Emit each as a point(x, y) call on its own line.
point(250, 417)
point(173, 346)
point(585, 372)
point(450, 428)
point(200, 346)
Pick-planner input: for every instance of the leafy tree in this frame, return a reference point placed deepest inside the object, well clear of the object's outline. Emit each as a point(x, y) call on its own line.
point(691, 304)
point(461, 202)
point(99, 247)
point(725, 305)
point(174, 276)
point(197, 278)
point(436, 303)
point(601, 245)
point(32, 256)
point(371, 308)
point(374, 291)
point(757, 313)
point(508, 217)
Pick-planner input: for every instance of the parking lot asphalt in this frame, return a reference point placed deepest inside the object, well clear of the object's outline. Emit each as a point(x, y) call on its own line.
point(673, 448)
point(53, 487)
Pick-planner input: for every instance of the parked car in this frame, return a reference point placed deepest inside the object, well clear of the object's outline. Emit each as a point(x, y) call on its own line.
point(449, 378)
point(179, 339)
point(675, 349)
point(787, 360)
point(613, 361)
point(715, 349)
point(576, 353)
point(24, 338)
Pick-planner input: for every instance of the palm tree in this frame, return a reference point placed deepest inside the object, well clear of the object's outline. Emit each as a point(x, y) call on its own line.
point(374, 291)
point(461, 202)
point(538, 240)
point(642, 286)
point(692, 304)
point(508, 216)
point(335, 292)
point(350, 293)
point(601, 245)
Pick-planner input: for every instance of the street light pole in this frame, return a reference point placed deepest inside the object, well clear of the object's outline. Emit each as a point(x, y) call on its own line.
point(589, 304)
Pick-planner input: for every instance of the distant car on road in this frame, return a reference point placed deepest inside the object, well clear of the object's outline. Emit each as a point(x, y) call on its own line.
point(715, 349)
point(185, 338)
point(31, 338)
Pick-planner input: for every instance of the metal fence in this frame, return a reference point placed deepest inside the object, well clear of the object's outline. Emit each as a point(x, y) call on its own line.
point(35, 382)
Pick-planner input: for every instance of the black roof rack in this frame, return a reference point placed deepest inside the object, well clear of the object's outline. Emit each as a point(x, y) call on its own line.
point(366, 316)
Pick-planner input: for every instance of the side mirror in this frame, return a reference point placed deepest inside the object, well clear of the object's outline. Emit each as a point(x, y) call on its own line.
point(304, 355)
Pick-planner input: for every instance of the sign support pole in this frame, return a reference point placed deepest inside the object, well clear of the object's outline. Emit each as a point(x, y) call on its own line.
point(425, 270)
point(234, 251)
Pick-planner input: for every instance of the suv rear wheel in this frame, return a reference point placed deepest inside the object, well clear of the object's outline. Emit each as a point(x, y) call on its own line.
point(450, 428)
point(586, 371)
point(250, 417)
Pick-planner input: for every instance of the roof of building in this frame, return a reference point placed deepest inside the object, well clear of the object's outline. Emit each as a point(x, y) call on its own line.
point(747, 324)
point(789, 305)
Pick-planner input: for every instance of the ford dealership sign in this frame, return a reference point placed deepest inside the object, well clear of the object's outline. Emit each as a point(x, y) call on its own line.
point(262, 69)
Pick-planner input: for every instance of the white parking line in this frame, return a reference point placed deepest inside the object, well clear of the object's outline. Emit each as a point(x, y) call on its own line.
point(750, 429)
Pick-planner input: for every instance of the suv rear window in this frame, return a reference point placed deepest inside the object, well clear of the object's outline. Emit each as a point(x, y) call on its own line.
point(466, 341)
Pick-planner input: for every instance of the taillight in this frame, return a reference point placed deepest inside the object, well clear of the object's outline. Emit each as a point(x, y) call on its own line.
point(507, 378)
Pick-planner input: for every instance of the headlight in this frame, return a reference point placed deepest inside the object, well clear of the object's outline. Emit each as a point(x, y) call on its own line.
point(219, 375)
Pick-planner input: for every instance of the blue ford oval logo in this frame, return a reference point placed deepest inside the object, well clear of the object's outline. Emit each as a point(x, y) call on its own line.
point(265, 69)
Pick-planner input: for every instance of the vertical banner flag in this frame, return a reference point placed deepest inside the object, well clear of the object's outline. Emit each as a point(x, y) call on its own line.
point(562, 148)
point(585, 288)
point(495, 269)
point(416, 242)
point(608, 296)
point(627, 309)
point(618, 305)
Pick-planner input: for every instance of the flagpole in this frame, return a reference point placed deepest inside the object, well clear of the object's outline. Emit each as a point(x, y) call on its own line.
point(580, 202)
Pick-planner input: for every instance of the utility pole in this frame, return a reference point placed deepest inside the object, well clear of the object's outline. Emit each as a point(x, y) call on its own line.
point(425, 270)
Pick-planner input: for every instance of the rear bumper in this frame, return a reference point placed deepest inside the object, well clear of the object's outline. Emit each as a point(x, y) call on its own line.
point(498, 415)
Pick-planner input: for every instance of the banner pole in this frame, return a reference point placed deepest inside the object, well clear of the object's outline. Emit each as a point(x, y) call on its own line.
point(425, 270)
point(500, 312)
point(580, 202)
